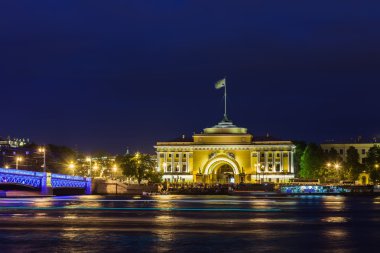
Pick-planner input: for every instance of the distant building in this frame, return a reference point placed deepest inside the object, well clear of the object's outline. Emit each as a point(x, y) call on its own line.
point(360, 144)
point(223, 154)
point(14, 142)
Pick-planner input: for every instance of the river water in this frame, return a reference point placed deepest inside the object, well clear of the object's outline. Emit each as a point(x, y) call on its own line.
point(190, 224)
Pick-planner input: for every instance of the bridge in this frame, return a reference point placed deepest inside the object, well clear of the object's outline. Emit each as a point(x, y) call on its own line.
point(44, 182)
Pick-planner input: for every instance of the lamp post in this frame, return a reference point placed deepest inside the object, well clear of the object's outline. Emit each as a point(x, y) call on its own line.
point(72, 167)
point(43, 151)
point(262, 168)
point(114, 169)
point(257, 165)
point(18, 159)
point(95, 168)
point(89, 159)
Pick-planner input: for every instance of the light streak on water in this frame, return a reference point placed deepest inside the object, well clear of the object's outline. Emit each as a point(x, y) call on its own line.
point(143, 209)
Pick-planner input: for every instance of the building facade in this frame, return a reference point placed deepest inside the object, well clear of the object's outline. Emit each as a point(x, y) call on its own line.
point(341, 148)
point(223, 154)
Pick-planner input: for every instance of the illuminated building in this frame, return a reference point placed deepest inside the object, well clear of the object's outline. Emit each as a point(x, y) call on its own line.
point(361, 145)
point(226, 153)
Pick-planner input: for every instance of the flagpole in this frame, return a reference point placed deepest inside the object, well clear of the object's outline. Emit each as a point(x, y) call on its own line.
point(225, 98)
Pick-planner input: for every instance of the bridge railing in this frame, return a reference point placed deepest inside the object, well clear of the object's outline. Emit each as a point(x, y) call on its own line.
point(45, 181)
point(22, 172)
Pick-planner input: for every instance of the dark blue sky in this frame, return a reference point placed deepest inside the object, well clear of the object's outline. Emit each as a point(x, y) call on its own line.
point(110, 74)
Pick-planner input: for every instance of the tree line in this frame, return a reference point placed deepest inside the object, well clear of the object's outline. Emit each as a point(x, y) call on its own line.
point(312, 162)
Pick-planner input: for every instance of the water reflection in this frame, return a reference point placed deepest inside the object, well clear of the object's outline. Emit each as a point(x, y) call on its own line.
point(189, 223)
point(333, 219)
point(334, 203)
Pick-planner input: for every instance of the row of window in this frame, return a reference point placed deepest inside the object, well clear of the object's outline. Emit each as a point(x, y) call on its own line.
point(176, 168)
point(270, 155)
point(162, 155)
point(341, 151)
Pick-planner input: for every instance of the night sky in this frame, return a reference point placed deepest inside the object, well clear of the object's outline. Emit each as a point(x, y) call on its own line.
point(104, 75)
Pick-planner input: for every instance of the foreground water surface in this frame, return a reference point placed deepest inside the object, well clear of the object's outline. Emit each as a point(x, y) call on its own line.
point(190, 224)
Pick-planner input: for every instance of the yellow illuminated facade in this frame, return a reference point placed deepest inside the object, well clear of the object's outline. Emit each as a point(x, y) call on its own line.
point(223, 154)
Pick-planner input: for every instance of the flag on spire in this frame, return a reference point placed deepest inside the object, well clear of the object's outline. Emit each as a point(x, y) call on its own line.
point(220, 84)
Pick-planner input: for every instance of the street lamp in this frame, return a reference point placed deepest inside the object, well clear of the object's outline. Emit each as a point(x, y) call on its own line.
point(18, 159)
point(335, 166)
point(43, 151)
point(114, 169)
point(89, 159)
point(95, 168)
point(72, 167)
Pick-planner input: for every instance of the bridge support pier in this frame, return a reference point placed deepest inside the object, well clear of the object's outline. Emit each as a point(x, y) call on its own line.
point(88, 190)
point(46, 187)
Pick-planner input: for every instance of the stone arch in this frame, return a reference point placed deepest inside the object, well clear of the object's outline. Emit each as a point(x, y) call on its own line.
point(220, 160)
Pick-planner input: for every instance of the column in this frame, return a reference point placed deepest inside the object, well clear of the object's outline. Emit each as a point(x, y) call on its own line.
point(172, 162)
point(187, 162)
point(292, 162)
point(289, 162)
point(158, 160)
point(165, 161)
point(281, 161)
point(258, 161)
point(180, 161)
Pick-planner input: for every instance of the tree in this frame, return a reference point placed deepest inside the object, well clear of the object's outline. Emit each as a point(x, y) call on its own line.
point(373, 163)
point(333, 156)
point(300, 148)
point(312, 161)
point(334, 167)
point(139, 166)
point(352, 163)
point(58, 157)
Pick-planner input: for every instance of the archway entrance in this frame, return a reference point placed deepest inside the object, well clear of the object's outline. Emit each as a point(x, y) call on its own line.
point(224, 175)
point(221, 169)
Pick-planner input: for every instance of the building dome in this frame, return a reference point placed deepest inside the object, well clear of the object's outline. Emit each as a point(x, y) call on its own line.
point(225, 127)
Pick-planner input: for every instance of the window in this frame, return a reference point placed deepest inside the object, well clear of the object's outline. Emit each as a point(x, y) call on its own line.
point(184, 168)
point(341, 151)
point(184, 155)
point(169, 169)
point(162, 155)
point(363, 160)
point(176, 155)
point(270, 154)
point(363, 151)
point(170, 155)
point(278, 154)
